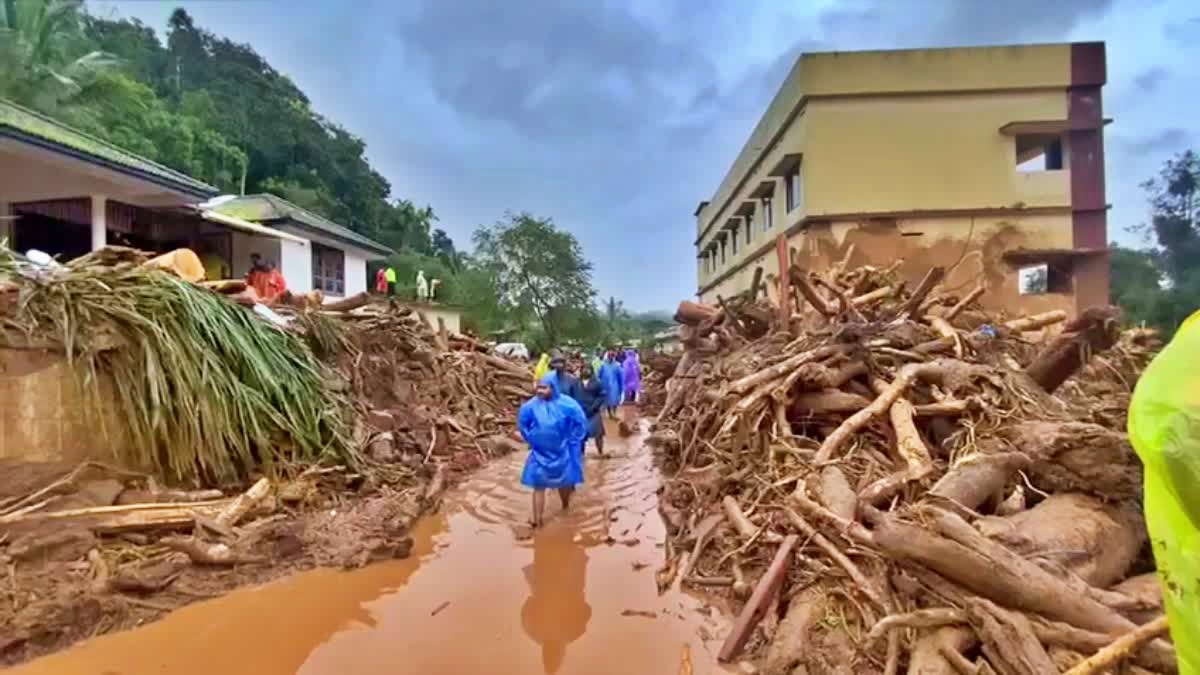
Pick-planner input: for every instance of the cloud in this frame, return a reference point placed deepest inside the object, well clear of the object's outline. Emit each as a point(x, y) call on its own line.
point(1170, 140)
point(615, 118)
point(1149, 80)
point(554, 70)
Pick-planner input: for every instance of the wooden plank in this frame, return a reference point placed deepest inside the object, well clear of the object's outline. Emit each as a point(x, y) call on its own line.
point(768, 587)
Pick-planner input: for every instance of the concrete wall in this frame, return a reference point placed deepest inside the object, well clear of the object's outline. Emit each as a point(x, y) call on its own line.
point(354, 264)
point(44, 416)
point(875, 73)
point(356, 271)
point(296, 264)
point(904, 154)
point(911, 140)
point(972, 249)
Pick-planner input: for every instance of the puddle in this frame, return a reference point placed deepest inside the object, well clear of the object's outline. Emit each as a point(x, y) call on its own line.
point(475, 597)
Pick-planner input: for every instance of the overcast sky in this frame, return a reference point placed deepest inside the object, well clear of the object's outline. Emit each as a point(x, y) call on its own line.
point(615, 117)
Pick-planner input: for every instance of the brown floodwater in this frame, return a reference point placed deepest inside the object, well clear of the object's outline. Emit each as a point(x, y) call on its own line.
point(477, 596)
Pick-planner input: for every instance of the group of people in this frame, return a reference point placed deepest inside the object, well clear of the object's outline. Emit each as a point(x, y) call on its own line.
point(385, 284)
point(564, 412)
point(266, 280)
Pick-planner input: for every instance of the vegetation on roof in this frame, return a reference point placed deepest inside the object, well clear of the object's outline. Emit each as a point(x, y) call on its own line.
point(30, 123)
point(270, 207)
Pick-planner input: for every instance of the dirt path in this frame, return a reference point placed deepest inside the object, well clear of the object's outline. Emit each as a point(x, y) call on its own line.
point(475, 597)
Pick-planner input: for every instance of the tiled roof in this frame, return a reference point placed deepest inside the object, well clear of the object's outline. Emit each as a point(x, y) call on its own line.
point(28, 125)
point(268, 207)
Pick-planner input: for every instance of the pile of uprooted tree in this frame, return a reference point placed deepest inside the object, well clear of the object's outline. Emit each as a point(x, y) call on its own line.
point(887, 477)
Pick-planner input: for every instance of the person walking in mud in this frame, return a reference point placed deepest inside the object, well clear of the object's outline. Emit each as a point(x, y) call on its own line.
point(612, 377)
point(591, 399)
point(555, 427)
point(568, 384)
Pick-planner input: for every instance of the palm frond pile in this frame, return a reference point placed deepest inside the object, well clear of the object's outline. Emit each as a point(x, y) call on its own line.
point(208, 393)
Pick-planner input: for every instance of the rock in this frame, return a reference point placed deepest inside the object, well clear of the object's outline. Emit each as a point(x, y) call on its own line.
point(58, 546)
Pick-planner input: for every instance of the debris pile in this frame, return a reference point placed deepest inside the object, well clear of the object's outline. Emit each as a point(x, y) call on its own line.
point(889, 481)
point(247, 450)
point(423, 394)
point(659, 369)
point(205, 393)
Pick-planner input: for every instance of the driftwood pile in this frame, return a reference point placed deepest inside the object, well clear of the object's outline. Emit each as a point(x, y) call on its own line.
point(886, 478)
point(659, 369)
point(424, 393)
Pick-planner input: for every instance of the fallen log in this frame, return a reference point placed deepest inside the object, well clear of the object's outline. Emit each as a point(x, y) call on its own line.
point(799, 279)
point(1036, 322)
point(972, 480)
point(348, 303)
point(182, 262)
point(1094, 330)
point(932, 278)
point(992, 571)
point(113, 519)
point(1121, 648)
point(242, 504)
point(694, 313)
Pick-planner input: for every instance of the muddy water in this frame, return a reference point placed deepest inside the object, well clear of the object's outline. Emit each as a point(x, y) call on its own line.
point(478, 596)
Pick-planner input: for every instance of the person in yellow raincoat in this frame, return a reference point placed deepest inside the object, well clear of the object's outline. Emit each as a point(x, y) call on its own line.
point(1164, 427)
point(542, 367)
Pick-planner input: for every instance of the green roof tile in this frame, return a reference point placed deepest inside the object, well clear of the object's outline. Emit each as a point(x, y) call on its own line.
point(14, 118)
point(265, 207)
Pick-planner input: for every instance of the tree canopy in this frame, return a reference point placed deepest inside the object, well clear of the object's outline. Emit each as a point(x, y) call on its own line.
point(1160, 285)
point(204, 105)
point(216, 110)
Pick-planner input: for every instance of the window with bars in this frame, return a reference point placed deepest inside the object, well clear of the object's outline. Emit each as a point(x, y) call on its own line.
point(329, 269)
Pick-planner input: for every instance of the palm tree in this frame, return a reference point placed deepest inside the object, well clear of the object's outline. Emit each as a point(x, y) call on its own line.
point(45, 63)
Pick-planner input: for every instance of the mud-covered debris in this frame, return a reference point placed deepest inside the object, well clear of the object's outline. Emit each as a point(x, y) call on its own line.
point(958, 478)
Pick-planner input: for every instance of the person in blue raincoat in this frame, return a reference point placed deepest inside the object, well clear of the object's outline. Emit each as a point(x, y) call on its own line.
point(554, 426)
point(612, 377)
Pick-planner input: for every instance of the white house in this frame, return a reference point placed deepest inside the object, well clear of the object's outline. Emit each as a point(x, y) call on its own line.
point(67, 193)
point(334, 259)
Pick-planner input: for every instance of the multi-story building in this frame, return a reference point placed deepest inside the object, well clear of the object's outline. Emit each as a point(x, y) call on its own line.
point(988, 161)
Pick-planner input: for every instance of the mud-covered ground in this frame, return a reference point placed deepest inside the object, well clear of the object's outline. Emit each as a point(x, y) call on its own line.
point(62, 582)
point(480, 593)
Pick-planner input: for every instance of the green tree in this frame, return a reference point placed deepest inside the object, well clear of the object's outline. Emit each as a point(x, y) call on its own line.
point(1161, 286)
point(540, 267)
point(46, 59)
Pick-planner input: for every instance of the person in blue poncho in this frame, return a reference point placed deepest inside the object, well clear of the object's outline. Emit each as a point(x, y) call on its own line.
point(554, 426)
point(612, 377)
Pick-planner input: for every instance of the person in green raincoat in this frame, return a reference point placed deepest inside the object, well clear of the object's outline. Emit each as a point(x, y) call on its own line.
point(1164, 427)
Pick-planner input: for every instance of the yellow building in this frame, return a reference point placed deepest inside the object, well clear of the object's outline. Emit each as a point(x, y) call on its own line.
point(986, 160)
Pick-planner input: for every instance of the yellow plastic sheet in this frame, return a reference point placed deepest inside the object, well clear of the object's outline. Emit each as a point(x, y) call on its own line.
point(1164, 427)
